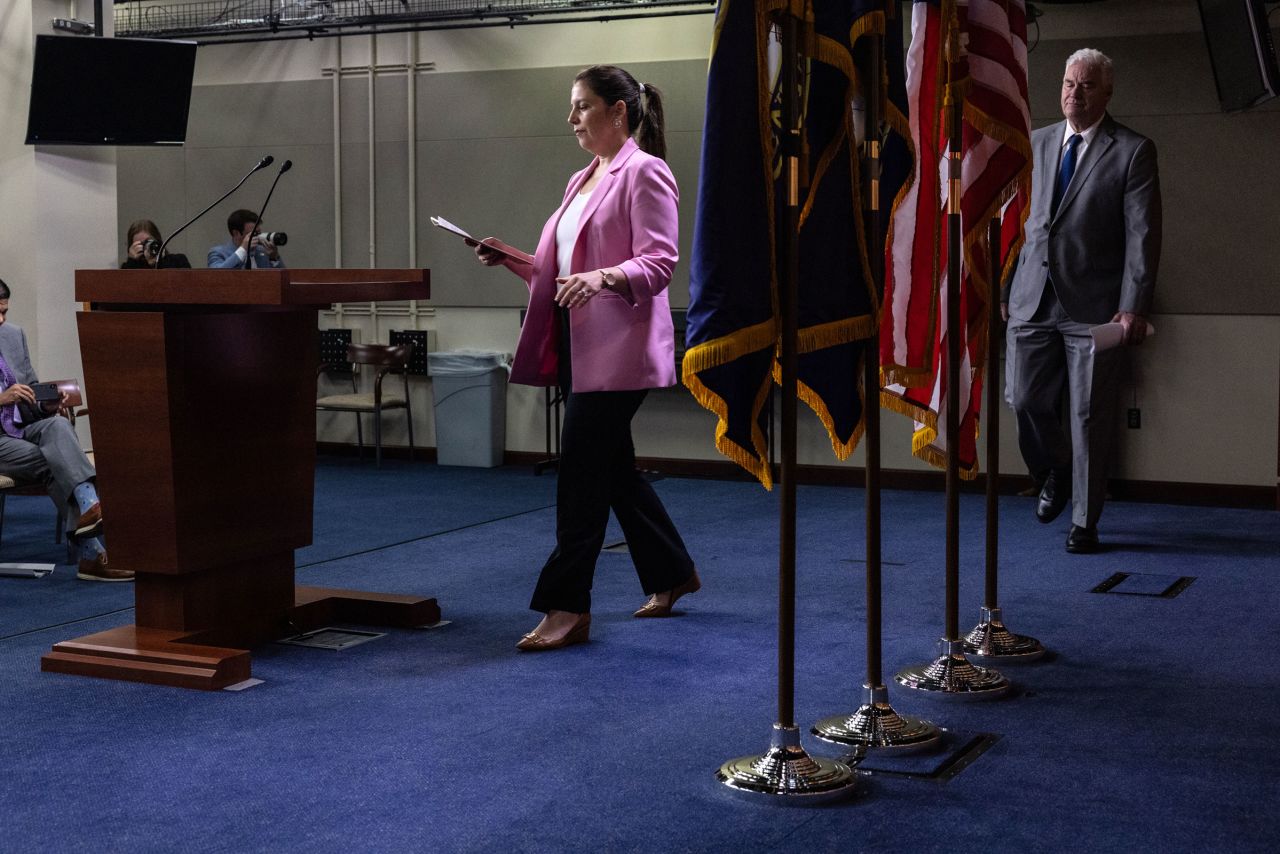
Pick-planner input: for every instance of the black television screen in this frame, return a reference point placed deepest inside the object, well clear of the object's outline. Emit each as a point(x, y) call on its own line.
point(1240, 51)
point(103, 91)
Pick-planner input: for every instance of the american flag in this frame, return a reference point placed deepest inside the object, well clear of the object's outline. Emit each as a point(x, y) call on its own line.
point(988, 74)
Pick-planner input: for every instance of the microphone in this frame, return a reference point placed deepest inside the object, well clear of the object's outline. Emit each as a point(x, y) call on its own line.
point(284, 167)
point(262, 164)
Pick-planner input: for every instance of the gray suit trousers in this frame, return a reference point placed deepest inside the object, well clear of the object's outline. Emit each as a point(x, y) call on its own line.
point(49, 453)
point(1045, 352)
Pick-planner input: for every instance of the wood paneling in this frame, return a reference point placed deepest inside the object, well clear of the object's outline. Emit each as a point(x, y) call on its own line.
point(204, 431)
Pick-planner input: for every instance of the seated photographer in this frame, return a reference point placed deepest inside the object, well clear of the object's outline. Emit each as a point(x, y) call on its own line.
point(247, 249)
point(37, 446)
point(143, 240)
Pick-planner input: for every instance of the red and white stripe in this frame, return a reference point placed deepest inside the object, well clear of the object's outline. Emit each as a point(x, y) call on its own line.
point(995, 164)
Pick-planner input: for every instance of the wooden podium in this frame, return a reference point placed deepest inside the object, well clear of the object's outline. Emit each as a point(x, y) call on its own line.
point(202, 386)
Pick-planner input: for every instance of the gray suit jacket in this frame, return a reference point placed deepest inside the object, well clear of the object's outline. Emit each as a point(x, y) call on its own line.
point(13, 347)
point(1103, 247)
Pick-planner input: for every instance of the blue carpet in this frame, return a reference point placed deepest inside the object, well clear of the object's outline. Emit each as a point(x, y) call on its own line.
point(1149, 728)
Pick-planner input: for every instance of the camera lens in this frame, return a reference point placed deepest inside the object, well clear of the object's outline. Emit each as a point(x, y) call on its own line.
point(151, 246)
point(279, 238)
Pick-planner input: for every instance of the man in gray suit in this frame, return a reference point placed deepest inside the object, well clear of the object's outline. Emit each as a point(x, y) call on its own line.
point(38, 447)
point(1090, 257)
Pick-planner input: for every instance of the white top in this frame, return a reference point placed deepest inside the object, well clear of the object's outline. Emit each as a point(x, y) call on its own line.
point(567, 230)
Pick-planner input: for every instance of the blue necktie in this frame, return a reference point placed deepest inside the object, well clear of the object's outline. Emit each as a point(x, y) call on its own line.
point(7, 420)
point(1065, 171)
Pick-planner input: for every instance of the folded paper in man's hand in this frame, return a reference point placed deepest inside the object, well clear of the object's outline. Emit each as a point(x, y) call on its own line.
point(1109, 335)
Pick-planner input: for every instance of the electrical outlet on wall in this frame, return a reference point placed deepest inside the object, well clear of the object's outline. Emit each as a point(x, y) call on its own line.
point(1135, 418)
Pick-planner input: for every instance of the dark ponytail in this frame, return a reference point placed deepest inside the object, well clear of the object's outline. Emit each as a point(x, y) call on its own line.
point(643, 102)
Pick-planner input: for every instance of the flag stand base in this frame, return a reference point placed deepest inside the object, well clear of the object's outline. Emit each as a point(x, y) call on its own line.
point(876, 726)
point(786, 774)
point(951, 675)
point(990, 641)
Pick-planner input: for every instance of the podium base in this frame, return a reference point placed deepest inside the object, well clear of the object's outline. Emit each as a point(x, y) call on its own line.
point(193, 660)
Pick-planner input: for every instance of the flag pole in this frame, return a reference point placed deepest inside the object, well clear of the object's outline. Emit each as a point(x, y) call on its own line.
point(786, 772)
point(990, 641)
point(875, 725)
point(951, 674)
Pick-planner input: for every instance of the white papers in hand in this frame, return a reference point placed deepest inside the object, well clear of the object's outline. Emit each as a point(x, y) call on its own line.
point(1109, 335)
point(441, 222)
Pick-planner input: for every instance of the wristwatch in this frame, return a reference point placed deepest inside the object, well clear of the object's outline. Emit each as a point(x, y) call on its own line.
point(610, 280)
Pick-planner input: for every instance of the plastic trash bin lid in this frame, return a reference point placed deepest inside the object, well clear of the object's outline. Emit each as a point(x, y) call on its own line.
point(464, 362)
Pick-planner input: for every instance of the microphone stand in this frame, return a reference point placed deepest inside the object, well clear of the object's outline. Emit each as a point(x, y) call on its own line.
point(262, 164)
point(284, 167)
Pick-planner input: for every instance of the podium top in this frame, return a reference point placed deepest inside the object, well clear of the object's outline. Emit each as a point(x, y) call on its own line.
point(288, 287)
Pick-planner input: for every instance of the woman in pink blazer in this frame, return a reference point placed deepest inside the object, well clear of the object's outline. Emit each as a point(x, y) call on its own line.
point(599, 326)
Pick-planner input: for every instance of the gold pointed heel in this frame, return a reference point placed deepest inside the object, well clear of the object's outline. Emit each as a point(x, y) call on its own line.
point(653, 608)
point(534, 642)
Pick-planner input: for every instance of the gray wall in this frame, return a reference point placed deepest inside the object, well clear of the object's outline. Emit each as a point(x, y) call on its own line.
point(494, 153)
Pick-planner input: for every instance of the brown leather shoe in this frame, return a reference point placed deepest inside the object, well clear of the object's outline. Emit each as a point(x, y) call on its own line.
point(534, 642)
point(97, 570)
point(653, 608)
point(90, 522)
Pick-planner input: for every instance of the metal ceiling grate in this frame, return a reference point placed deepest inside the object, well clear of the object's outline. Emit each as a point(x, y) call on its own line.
point(267, 19)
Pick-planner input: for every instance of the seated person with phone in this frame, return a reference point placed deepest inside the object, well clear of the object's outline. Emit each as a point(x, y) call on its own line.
point(37, 446)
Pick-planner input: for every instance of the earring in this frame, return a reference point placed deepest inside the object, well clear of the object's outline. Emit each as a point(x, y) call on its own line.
point(617, 123)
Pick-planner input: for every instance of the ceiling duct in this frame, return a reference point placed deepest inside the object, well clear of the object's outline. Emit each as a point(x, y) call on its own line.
point(221, 21)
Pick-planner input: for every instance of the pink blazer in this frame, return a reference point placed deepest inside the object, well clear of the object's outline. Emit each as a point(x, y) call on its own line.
point(630, 222)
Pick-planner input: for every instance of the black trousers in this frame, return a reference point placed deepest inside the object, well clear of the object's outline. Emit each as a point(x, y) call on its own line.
point(597, 473)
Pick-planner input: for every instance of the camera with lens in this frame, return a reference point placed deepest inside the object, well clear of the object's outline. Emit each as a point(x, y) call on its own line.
point(150, 247)
point(279, 238)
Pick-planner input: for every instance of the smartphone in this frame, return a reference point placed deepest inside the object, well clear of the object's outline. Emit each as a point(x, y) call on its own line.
point(46, 392)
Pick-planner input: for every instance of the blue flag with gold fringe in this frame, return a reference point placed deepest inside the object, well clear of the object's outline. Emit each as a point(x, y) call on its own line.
point(733, 331)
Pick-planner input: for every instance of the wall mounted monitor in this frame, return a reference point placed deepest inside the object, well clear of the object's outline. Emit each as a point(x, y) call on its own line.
point(107, 91)
point(1241, 52)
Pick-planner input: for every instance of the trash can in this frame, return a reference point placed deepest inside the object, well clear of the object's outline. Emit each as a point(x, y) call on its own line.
point(469, 390)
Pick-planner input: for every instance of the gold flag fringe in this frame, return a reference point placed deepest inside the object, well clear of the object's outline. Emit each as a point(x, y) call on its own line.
point(753, 460)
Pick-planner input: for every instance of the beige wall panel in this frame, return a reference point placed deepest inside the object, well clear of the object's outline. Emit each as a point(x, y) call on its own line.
point(262, 115)
point(150, 182)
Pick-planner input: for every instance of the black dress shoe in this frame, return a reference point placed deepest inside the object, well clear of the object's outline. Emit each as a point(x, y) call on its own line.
point(1082, 541)
point(1053, 496)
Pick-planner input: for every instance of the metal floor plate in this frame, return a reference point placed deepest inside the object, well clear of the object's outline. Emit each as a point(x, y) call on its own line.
point(958, 752)
point(1145, 584)
point(331, 638)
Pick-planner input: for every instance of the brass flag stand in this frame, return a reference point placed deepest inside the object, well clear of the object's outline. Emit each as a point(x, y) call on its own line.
point(875, 725)
point(951, 675)
point(786, 773)
point(990, 641)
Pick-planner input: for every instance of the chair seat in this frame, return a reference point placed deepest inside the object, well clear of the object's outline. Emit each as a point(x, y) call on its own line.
point(358, 402)
point(386, 359)
point(7, 482)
